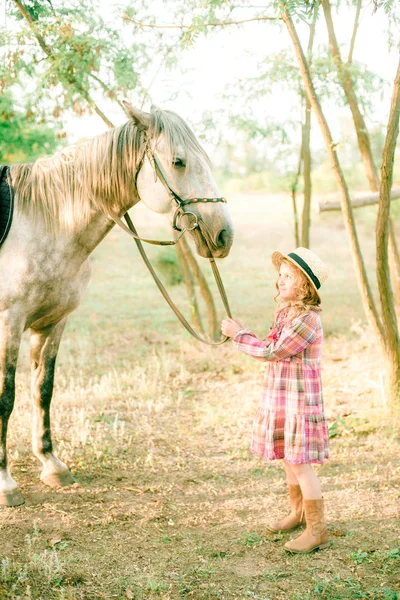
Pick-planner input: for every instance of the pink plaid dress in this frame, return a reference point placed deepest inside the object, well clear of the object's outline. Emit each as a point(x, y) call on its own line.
point(290, 422)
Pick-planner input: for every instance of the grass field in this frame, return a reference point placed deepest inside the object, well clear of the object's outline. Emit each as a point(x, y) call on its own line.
point(168, 502)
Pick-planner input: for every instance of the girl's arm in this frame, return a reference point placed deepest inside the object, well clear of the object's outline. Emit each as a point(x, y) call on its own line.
point(246, 341)
point(293, 339)
point(231, 328)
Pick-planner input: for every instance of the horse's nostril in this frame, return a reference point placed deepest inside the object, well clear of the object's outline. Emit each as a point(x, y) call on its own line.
point(221, 238)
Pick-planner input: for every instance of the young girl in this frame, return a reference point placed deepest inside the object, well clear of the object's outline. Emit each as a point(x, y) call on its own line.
point(290, 423)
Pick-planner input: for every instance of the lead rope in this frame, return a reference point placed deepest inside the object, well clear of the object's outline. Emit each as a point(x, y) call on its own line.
point(132, 232)
point(162, 289)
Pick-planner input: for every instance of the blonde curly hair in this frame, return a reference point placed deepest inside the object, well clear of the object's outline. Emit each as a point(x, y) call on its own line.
point(307, 295)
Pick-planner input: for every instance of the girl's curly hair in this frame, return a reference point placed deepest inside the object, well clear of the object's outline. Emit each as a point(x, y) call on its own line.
point(307, 296)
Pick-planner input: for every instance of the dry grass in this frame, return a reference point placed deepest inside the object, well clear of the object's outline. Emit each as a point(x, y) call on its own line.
point(169, 503)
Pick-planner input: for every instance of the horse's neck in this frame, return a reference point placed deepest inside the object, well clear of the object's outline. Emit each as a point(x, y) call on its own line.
point(80, 222)
point(99, 226)
point(88, 238)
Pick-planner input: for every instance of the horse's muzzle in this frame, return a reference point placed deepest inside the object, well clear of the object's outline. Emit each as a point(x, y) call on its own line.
point(207, 247)
point(223, 240)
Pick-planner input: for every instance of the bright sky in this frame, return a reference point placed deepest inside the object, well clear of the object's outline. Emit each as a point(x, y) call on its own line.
point(234, 52)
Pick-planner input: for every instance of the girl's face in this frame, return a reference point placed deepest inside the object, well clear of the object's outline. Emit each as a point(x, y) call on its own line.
point(288, 282)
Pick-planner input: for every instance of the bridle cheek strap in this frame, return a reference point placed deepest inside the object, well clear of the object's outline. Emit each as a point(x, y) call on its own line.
point(176, 199)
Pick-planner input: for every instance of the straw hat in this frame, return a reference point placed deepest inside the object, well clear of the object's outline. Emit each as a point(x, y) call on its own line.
point(307, 261)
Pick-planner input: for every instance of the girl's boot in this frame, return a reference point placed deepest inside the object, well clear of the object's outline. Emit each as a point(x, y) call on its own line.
point(315, 536)
point(296, 516)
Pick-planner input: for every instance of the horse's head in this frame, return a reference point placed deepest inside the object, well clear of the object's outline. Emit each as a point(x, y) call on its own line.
point(181, 165)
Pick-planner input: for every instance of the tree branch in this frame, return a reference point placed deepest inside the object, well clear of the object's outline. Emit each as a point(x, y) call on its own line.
point(348, 88)
point(146, 92)
point(213, 24)
point(107, 89)
point(355, 28)
point(33, 27)
point(49, 53)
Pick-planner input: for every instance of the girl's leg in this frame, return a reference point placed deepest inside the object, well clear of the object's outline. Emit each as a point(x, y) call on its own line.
point(315, 535)
point(290, 476)
point(295, 518)
point(308, 481)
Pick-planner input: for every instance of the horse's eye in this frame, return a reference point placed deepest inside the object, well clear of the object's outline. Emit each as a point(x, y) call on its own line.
point(178, 163)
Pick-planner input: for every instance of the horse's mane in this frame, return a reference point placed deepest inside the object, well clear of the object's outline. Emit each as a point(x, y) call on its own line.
point(99, 175)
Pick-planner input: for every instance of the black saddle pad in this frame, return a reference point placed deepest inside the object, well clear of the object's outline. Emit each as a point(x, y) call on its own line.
point(6, 204)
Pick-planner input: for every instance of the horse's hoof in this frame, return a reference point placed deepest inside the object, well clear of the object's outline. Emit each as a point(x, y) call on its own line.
point(11, 498)
point(60, 479)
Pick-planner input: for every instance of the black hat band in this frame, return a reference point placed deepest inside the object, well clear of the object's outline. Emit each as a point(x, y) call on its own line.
point(305, 268)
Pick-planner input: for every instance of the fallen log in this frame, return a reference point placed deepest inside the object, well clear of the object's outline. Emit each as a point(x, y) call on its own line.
point(356, 202)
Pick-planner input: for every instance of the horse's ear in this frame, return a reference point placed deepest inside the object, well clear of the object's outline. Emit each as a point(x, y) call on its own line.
point(139, 116)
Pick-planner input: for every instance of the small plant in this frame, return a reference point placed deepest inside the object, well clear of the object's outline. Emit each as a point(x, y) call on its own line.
point(393, 553)
point(258, 471)
point(167, 263)
point(204, 573)
point(219, 554)
point(346, 589)
point(333, 429)
point(271, 576)
point(360, 557)
point(337, 427)
point(251, 539)
point(278, 536)
point(155, 586)
point(42, 569)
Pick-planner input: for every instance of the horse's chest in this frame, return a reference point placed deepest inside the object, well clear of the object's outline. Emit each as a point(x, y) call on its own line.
point(46, 284)
point(62, 288)
point(57, 292)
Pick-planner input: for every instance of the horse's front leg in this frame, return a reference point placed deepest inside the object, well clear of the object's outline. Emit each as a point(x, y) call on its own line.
point(10, 339)
point(44, 348)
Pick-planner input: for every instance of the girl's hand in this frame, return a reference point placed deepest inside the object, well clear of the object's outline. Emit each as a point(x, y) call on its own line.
point(230, 327)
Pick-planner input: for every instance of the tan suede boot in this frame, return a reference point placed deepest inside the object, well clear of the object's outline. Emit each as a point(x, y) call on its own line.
point(315, 536)
point(296, 516)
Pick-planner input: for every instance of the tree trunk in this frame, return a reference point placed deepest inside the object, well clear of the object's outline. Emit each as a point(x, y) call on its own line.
point(213, 324)
point(359, 122)
point(366, 295)
point(295, 218)
point(294, 193)
point(391, 334)
point(394, 262)
point(190, 289)
point(347, 85)
point(306, 219)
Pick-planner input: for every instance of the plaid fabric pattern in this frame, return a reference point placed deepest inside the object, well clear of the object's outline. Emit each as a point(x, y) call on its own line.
point(290, 422)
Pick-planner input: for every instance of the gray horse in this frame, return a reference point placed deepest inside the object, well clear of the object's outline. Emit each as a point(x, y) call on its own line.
point(63, 209)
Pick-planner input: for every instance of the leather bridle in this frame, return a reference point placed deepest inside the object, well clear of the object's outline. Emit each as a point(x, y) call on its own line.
point(179, 214)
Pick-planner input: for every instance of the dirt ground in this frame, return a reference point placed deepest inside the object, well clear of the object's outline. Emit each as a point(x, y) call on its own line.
point(170, 504)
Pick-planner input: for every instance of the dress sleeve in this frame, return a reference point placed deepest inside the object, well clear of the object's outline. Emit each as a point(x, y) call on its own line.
point(294, 338)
